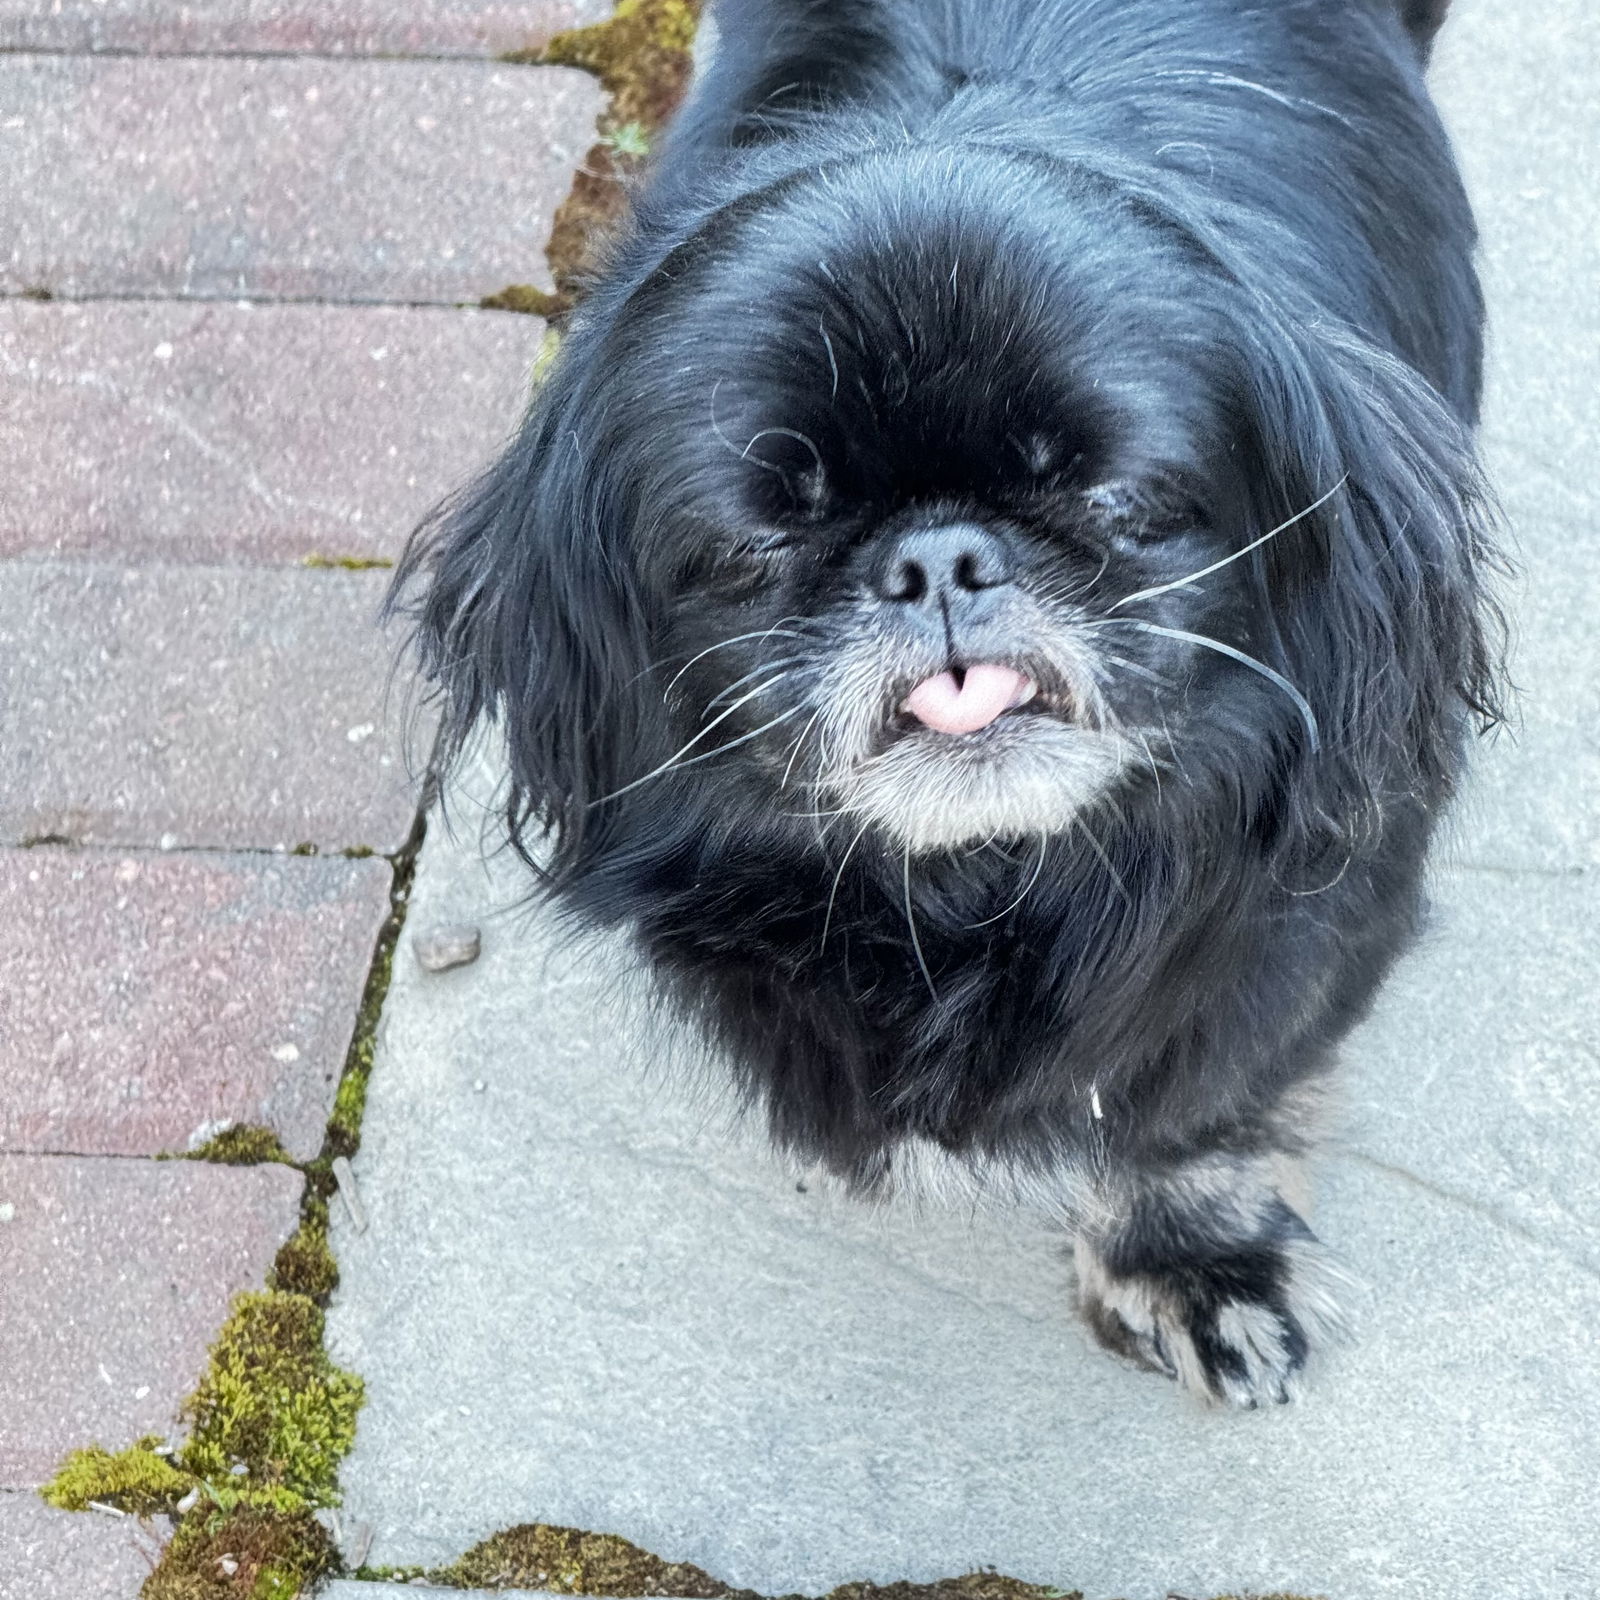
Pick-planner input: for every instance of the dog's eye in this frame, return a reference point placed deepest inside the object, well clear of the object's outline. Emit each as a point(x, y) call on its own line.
point(1142, 512)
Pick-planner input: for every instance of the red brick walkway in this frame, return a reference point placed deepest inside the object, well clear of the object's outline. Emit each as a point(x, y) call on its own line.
point(242, 242)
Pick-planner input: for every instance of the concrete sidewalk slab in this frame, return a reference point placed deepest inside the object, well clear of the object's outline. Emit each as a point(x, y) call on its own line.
point(190, 706)
point(117, 1275)
point(1481, 1063)
point(65, 1555)
point(1515, 84)
point(236, 433)
point(266, 27)
point(584, 1299)
point(152, 998)
point(284, 179)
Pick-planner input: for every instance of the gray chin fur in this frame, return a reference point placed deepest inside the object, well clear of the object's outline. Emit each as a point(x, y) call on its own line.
point(1018, 778)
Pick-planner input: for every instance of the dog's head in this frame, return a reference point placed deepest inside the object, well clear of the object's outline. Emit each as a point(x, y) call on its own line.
point(955, 493)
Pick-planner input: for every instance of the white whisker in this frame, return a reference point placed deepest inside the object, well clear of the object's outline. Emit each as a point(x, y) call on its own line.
point(1027, 888)
point(1217, 566)
point(675, 762)
point(911, 924)
point(776, 631)
point(844, 861)
point(1301, 704)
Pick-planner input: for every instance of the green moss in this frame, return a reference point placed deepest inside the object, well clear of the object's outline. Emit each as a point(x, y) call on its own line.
point(524, 298)
point(270, 1423)
point(973, 1586)
point(136, 1480)
point(643, 59)
point(557, 1560)
point(242, 1555)
point(273, 1403)
point(346, 563)
point(242, 1145)
point(305, 1264)
point(350, 1100)
point(537, 1555)
point(358, 852)
point(37, 291)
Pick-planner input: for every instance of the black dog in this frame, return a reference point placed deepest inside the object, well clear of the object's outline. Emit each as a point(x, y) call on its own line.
point(993, 593)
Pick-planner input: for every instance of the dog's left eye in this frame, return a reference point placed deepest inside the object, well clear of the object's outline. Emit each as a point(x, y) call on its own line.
point(1145, 512)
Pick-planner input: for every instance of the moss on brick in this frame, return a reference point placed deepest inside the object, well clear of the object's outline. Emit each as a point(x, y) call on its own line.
point(346, 563)
point(643, 59)
point(137, 1480)
point(242, 1145)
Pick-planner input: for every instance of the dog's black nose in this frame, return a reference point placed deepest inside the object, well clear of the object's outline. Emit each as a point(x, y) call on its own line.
point(927, 564)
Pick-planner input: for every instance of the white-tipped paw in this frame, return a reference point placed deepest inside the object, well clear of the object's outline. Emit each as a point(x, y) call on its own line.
point(1234, 1327)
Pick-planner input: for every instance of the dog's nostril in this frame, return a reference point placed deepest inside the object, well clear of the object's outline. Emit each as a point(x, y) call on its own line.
point(908, 580)
point(943, 560)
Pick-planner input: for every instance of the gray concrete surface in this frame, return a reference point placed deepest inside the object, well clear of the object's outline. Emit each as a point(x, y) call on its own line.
point(588, 1296)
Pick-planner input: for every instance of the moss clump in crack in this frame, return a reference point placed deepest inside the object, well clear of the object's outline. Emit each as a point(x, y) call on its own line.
point(537, 1555)
point(346, 563)
point(273, 1403)
point(270, 1422)
point(973, 1586)
point(242, 1555)
point(136, 1480)
point(244, 1144)
point(643, 59)
point(305, 1263)
point(350, 1100)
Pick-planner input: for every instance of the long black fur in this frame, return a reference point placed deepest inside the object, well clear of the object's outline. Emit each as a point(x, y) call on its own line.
point(1215, 255)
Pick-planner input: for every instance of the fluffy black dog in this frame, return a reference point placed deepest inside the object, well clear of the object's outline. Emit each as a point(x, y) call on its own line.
point(993, 593)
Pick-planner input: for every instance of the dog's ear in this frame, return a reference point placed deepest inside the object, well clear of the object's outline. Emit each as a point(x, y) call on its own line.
point(526, 614)
point(1381, 595)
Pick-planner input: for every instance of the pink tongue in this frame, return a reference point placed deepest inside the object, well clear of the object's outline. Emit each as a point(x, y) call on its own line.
point(985, 691)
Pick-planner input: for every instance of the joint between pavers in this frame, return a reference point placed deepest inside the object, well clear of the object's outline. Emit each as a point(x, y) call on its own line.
point(447, 58)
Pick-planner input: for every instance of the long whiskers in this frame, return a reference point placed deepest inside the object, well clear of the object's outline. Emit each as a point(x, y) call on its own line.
point(833, 893)
point(1301, 704)
point(676, 763)
point(1217, 566)
point(1027, 888)
point(911, 924)
point(776, 631)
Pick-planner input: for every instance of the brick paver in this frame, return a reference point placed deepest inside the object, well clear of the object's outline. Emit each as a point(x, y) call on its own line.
point(358, 27)
point(151, 997)
point(284, 179)
point(116, 1277)
point(59, 1555)
point(232, 433)
point(199, 707)
point(185, 697)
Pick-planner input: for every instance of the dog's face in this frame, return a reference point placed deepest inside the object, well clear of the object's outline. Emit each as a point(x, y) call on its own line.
point(950, 494)
point(924, 465)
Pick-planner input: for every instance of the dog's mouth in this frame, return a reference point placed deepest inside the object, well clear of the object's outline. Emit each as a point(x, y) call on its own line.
point(965, 700)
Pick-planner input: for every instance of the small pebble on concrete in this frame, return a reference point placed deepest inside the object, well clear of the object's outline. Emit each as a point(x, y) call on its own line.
point(439, 949)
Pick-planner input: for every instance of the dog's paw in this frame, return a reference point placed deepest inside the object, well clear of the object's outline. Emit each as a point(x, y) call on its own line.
point(1234, 1327)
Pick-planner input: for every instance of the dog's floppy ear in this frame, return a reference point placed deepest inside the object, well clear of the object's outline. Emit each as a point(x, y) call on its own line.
point(1380, 596)
point(525, 613)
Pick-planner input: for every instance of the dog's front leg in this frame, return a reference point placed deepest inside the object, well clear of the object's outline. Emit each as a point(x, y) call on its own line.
point(1204, 1271)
